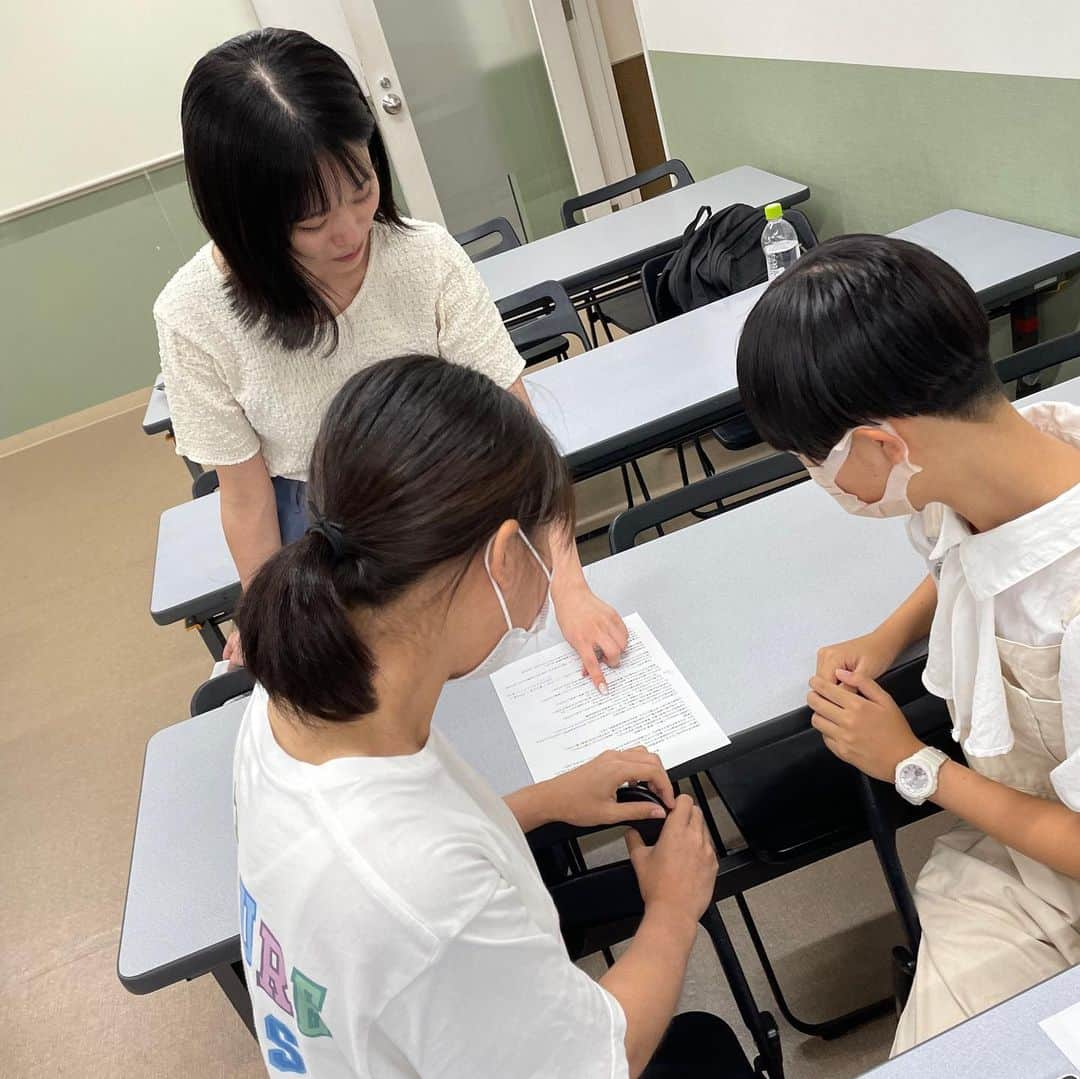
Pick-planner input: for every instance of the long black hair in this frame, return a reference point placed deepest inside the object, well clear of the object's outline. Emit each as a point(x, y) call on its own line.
point(861, 329)
point(263, 115)
point(417, 464)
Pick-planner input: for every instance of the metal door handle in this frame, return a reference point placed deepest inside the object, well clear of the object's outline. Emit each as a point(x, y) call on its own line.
point(391, 103)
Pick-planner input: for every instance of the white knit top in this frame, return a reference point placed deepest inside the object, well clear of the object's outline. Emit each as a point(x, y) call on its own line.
point(233, 394)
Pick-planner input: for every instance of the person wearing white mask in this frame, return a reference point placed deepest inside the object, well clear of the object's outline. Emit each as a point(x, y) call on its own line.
point(393, 921)
point(870, 360)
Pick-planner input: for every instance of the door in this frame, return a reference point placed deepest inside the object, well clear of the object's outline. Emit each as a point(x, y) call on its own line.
point(466, 110)
point(596, 55)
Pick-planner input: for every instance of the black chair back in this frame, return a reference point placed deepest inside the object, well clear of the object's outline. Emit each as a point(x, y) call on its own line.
point(540, 313)
point(660, 307)
point(793, 794)
point(497, 226)
point(215, 692)
point(674, 168)
point(205, 483)
point(714, 490)
point(1039, 357)
point(803, 229)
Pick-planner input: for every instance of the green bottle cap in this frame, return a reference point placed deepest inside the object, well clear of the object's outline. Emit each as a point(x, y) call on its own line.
point(774, 211)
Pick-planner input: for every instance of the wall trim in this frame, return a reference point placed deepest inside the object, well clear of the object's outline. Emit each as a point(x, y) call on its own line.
point(77, 421)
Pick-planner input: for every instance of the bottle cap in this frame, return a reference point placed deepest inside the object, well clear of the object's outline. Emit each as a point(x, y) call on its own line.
point(774, 211)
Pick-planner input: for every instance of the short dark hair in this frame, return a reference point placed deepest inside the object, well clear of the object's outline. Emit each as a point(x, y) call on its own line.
point(861, 329)
point(417, 463)
point(262, 116)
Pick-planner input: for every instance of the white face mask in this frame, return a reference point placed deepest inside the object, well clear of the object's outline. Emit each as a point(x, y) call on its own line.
point(515, 642)
point(893, 502)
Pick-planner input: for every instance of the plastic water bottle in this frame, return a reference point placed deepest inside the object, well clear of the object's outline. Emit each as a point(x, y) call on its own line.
point(779, 241)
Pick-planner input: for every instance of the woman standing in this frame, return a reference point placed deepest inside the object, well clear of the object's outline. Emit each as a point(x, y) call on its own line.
point(310, 276)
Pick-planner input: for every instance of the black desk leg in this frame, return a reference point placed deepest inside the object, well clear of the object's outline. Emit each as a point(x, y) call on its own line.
point(884, 838)
point(1024, 316)
point(211, 634)
point(194, 470)
point(230, 976)
point(761, 1024)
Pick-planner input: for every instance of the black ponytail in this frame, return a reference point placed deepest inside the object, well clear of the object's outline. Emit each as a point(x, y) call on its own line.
point(293, 620)
point(417, 464)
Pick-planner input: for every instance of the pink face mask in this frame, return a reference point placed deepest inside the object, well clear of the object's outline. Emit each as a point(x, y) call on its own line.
point(893, 502)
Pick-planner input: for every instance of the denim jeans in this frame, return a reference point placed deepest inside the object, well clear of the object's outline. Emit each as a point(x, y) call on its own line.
point(291, 497)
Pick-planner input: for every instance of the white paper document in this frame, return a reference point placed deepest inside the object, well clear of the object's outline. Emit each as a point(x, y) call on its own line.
point(561, 721)
point(1063, 1030)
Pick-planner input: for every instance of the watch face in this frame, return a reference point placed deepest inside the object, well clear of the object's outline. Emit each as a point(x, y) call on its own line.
point(915, 778)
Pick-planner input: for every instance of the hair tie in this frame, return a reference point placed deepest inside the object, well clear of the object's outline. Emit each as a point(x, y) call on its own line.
point(333, 535)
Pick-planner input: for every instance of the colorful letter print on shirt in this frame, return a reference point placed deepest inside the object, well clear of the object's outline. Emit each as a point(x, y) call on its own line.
point(268, 976)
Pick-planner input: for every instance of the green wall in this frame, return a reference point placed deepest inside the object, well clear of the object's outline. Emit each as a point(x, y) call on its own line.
point(78, 282)
point(883, 147)
point(879, 147)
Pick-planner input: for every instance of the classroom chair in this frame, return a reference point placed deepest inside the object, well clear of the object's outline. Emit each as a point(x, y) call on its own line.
point(539, 350)
point(736, 433)
point(722, 491)
point(541, 312)
point(791, 800)
point(620, 303)
point(205, 483)
point(673, 168)
point(601, 907)
point(215, 692)
point(497, 226)
point(536, 314)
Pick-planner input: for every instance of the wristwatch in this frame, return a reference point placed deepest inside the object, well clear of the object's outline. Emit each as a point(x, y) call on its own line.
point(917, 775)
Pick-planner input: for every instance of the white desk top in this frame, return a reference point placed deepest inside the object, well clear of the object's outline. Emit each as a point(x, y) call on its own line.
point(194, 573)
point(157, 417)
point(619, 389)
point(1005, 1042)
point(741, 603)
point(1000, 259)
point(641, 379)
point(606, 241)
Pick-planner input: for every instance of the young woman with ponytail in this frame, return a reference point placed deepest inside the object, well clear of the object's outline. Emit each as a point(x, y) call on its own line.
point(393, 920)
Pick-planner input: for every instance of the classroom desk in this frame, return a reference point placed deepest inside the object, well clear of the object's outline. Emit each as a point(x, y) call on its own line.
point(669, 382)
point(1005, 1042)
point(156, 419)
point(746, 650)
point(612, 246)
point(180, 919)
point(195, 578)
point(622, 401)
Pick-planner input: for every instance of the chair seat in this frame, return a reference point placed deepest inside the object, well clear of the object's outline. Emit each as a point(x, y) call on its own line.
point(737, 433)
point(545, 350)
point(796, 795)
point(630, 311)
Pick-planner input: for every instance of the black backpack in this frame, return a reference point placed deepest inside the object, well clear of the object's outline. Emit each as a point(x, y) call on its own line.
point(720, 255)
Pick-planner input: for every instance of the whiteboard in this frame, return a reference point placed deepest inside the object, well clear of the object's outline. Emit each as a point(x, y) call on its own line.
point(92, 89)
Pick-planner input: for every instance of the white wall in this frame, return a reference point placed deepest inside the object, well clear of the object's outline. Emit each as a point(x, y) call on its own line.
point(621, 32)
point(1036, 37)
point(89, 89)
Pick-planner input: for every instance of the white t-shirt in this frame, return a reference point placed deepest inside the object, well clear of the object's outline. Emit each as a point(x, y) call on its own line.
point(393, 924)
point(1019, 581)
point(233, 393)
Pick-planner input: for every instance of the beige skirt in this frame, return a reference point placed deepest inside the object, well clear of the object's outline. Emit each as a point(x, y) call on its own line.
point(994, 921)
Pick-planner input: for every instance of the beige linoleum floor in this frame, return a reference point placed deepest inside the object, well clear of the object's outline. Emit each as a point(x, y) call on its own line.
point(86, 678)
